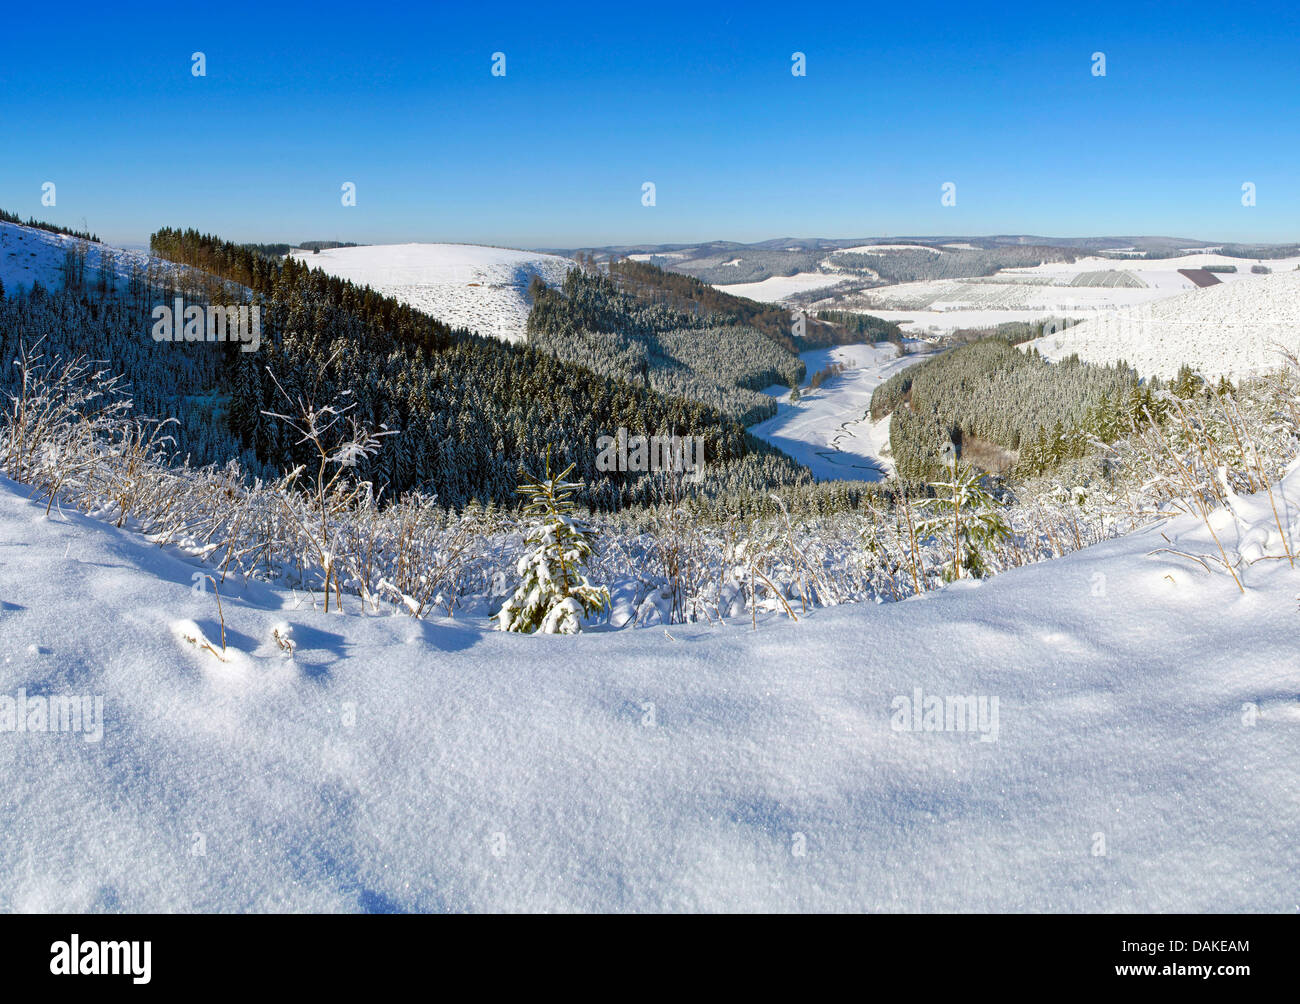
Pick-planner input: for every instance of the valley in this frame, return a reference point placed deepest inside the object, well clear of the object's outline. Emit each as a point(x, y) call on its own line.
point(801, 565)
point(829, 430)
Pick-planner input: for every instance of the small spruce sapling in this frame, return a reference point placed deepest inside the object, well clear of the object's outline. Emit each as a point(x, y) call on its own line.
point(554, 595)
point(965, 513)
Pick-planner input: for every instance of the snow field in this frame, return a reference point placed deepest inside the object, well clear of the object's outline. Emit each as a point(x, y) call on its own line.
point(392, 764)
point(464, 285)
point(1233, 329)
point(778, 288)
point(29, 255)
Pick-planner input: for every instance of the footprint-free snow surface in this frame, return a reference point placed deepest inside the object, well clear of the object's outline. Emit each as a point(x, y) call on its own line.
point(1145, 755)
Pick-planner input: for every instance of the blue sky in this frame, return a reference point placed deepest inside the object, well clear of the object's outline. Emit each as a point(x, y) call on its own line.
point(697, 98)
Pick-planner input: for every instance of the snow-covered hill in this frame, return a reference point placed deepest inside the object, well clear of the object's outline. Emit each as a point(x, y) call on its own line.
point(1231, 329)
point(29, 255)
point(1088, 287)
point(465, 285)
point(777, 289)
point(1145, 755)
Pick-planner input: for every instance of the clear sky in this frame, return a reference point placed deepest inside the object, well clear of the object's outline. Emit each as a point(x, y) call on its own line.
point(699, 99)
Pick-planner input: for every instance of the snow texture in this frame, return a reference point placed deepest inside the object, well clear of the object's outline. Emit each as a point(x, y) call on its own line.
point(1146, 708)
point(29, 255)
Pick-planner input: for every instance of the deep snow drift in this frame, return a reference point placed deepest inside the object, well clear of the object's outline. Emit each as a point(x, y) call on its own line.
point(464, 285)
point(1147, 752)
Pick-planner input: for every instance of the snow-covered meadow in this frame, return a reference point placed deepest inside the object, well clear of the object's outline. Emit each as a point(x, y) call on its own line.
point(779, 288)
point(464, 285)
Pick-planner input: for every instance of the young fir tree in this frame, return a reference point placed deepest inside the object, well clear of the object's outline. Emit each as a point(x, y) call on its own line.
point(1060, 445)
point(963, 512)
point(1186, 383)
point(554, 595)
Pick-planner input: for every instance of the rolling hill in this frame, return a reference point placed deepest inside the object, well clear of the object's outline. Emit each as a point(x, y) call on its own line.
point(1233, 329)
point(470, 286)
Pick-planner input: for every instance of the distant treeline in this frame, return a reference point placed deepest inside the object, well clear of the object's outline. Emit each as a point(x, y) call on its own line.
point(280, 250)
point(1260, 251)
point(1256, 251)
point(750, 265)
point(910, 265)
point(52, 228)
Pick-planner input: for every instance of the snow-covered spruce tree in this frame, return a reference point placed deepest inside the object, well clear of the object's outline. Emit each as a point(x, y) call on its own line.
point(554, 594)
point(965, 513)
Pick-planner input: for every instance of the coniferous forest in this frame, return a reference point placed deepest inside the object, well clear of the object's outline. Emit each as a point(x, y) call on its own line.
point(476, 413)
point(989, 390)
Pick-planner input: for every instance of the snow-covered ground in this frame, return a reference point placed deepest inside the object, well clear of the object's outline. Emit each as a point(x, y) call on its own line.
point(829, 430)
point(779, 287)
point(945, 305)
point(465, 285)
point(1230, 329)
point(29, 255)
point(877, 248)
point(1018, 300)
point(1160, 273)
point(1145, 754)
point(936, 307)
